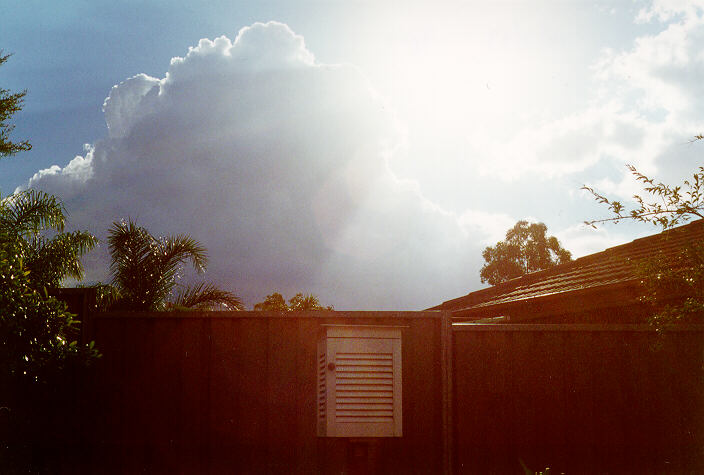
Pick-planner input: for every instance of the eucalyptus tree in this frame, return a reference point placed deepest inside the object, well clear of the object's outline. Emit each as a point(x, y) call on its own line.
point(527, 248)
point(145, 270)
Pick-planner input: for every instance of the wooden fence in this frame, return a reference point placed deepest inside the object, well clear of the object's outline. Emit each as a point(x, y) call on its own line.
point(236, 393)
point(577, 399)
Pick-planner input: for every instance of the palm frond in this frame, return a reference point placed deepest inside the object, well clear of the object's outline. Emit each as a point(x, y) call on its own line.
point(105, 295)
point(145, 268)
point(52, 260)
point(27, 212)
point(131, 249)
point(176, 250)
point(206, 296)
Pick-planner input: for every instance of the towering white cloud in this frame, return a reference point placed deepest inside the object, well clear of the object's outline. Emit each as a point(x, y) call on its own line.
point(277, 164)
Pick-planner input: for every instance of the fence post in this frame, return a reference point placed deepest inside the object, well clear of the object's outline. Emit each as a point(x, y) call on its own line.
point(446, 374)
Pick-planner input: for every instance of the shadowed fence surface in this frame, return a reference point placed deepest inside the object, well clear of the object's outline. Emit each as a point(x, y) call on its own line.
point(236, 393)
point(578, 398)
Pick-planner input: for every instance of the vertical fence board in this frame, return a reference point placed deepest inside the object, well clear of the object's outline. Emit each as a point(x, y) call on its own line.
point(609, 401)
point(165, 414)
point(633, 385)
point(238, 420)
point(224, 394)
point(194, 409)
point(579, 433)
point(307, 457)
point(282, 388)
point(137, 396)
point(549, 349)
point(422, 372)
point(105, 433)
point(687, 403)
point(483, 399)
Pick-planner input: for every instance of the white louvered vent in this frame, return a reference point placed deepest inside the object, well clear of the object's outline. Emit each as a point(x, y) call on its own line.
point(359, 382)
point(364, 387)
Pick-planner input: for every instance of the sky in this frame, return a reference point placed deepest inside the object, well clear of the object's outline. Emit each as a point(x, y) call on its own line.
point(363, 151)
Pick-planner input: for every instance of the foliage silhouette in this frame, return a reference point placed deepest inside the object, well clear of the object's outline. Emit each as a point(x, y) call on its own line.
point(145, 269)
point(526, 249)
point(25, 219)
point(9, 104)
point(299, 302)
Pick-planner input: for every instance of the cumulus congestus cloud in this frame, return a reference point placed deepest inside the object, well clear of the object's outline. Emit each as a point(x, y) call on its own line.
point(278, 165)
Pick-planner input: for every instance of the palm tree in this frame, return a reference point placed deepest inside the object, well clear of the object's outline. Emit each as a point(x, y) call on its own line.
point(33, 221)
point(36, 331)
point(145, 268)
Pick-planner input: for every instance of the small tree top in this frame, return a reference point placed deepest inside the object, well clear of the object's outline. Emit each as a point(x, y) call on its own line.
point(299, 302)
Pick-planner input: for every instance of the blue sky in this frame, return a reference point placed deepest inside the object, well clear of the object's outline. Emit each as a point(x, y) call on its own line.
point(363, 151)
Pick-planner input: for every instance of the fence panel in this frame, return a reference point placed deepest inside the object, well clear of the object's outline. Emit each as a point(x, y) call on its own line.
point(236, 392)
point(577, 398)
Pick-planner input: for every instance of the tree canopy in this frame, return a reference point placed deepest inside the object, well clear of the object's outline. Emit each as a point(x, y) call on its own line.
point(527, 248)
point(36, 331)
point(299, 302)
point(38, 335)
point(9, 104)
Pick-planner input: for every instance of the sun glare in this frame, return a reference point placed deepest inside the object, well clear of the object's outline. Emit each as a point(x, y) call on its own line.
point(464, 68)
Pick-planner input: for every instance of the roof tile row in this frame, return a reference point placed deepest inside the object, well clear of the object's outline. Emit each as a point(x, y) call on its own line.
point(612, 266)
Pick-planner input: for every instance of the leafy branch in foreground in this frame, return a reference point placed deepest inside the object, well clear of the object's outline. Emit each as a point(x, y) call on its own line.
point(25, 219)
point(673, 286)
point(660, 204)
point(9, 104)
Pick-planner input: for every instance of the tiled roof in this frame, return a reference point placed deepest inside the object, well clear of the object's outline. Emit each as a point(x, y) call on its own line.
point(611, 267)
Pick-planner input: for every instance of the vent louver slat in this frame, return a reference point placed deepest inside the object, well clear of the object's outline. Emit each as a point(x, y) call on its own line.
point(321, 386)
point(364, 387)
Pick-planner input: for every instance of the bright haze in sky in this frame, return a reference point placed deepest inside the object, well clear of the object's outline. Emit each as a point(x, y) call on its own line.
point(363, 151)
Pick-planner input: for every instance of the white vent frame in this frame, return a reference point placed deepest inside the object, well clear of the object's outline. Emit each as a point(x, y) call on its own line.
point(359, 381)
